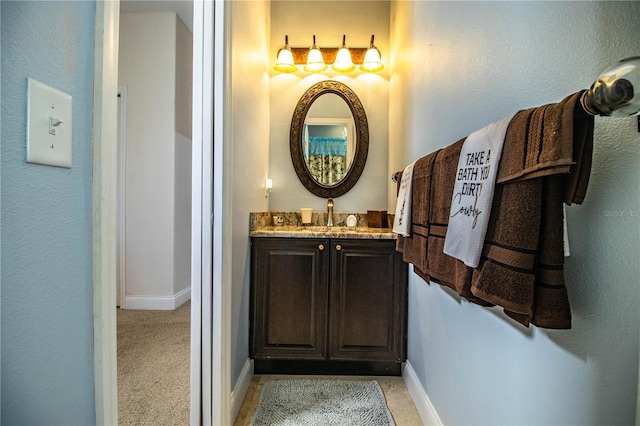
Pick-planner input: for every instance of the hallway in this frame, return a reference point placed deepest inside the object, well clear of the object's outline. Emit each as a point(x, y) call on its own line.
point(153, 366)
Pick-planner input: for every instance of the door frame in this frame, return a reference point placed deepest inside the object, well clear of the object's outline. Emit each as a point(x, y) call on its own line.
point(121, 299)
point(210, 360)
point(104, 189)
point(211, 323)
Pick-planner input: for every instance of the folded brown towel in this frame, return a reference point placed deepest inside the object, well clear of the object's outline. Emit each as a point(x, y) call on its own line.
point(551, 304)
point(551, 139)
point(414, 247)
point(537, 144)
point(442, 268)
point(575, 185)
point(507, 271)
point(546, 159)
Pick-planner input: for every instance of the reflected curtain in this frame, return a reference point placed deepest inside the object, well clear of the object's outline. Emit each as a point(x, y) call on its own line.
point(327, 159)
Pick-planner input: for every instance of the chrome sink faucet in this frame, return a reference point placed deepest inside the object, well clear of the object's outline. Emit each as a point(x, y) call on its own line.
point(330, 212)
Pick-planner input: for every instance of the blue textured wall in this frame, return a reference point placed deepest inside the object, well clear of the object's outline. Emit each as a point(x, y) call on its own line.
point(469, 64)
point(47, 325)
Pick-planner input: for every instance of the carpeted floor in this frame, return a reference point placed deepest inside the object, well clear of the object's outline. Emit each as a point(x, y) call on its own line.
point(153, 366)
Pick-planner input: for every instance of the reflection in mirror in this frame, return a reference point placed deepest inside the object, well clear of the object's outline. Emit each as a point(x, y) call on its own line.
point(328, 147)
point(329, 139)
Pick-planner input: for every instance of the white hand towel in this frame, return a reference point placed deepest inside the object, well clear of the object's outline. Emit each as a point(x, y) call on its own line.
point(402, 218)
point(565, 232)
point(473, 192)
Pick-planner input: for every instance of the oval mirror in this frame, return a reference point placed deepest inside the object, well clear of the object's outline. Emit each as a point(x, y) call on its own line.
point(329, 139)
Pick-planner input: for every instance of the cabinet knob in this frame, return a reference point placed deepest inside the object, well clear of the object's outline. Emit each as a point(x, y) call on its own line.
point(321, 247)
point(338, 247)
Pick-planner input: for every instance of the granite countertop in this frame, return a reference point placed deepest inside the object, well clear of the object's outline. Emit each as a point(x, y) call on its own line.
point(359, 232)
point(262, 225)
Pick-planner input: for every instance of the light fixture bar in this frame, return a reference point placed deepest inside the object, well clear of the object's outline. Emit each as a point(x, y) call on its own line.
point(328, 53)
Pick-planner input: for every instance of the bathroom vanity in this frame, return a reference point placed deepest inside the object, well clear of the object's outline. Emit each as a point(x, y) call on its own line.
point(327, 301)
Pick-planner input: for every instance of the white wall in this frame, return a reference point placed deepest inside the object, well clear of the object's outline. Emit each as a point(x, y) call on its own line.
point(182, 219)
point(329, 21)
point(157, 184)
point(184, 79)
point(182, 158)
point(457, 67)
point(248, 147)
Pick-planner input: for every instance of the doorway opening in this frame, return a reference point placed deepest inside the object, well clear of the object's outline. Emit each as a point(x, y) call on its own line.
point(210, 323)
point(155, 70)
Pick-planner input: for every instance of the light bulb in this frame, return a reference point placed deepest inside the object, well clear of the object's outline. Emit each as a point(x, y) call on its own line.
point(372, 61)
point(284, 63)
point(343, 61)
point(315, 61)
point(616, 93)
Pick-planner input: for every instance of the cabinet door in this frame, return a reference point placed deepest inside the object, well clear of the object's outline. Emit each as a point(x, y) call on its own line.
point(289, 298)
point(368, 301)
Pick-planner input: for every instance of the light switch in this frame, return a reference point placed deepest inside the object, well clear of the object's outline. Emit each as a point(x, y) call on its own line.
point(49, 126)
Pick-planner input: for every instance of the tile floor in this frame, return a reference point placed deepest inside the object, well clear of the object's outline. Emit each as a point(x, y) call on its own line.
point(395, 391)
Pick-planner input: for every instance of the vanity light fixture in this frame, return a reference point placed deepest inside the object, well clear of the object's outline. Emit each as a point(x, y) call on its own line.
point(315, 61)
point(285, 62)
point(343, 61)
point(372, 60)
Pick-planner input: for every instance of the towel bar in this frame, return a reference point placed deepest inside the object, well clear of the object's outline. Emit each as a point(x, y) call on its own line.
point(615, 93)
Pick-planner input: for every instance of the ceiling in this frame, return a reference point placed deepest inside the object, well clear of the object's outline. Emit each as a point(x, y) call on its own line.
point(183, 8)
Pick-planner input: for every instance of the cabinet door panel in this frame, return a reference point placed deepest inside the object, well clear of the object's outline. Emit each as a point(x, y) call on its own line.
point(368, 295)
point(290, 295)
point(289, 298)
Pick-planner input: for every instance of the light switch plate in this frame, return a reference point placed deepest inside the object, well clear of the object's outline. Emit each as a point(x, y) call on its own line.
point(49, 125)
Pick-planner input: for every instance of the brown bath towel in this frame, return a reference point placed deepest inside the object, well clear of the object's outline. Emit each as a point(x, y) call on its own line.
point(414, 247)
point(546, 159)
point(551, 139)
point(506, 274)
point(442, 268)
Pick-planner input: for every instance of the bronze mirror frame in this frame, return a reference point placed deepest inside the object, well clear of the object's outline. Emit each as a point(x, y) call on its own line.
point(361, 134)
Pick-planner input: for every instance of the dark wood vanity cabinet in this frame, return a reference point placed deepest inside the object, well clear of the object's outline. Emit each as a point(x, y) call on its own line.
point(289, 298)
point(327, 306)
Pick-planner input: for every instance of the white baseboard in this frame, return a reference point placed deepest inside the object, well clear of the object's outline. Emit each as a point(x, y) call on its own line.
point(182, 296)
point(160, 303)
point(421, 400)
point(240, 390)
